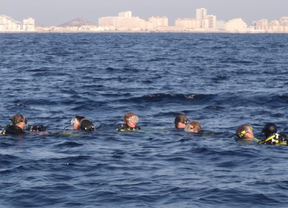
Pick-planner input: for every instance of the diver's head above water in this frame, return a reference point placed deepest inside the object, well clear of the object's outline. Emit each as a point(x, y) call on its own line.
point(19, 120)
point(131, 119)
point(245, 132)
point(181, 121)
point(269, 129)
point(193, 126)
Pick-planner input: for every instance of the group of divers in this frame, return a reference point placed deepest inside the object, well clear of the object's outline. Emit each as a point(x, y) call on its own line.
point(244, 133)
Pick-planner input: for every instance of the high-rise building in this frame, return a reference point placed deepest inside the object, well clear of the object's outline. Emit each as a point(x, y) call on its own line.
point(201, 13)
point(9, 24)
point(209, 22)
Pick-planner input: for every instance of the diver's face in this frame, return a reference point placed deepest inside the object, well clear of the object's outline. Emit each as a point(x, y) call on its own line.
point(21, 125)
point(192, 129)
point(130, 124)
point(249, 133)
point(76, 124)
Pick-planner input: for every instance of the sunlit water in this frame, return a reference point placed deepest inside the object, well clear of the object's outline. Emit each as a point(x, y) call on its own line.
point(220, 80)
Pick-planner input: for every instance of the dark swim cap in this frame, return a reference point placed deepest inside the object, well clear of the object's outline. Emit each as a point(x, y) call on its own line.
point(269, 129)
point(181, 119)
point(87, 125)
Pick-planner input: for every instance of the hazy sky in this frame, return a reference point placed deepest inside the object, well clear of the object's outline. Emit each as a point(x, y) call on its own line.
point(56, 12)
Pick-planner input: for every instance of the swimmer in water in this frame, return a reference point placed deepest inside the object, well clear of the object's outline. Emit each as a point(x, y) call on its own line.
point(130, 121)
point(245, 134)
point(272, 137)
point(18, 125)
point(80, 122)
point(181, 121)
point(193, 126)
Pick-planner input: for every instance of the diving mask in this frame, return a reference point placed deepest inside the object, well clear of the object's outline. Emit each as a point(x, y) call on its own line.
point(242, 133)
point(133, 119)
point(74, 121)
point(188, 128)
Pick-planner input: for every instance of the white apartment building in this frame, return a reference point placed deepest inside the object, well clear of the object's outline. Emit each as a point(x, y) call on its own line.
point(274, 26)
point(262, 25)
point(201, 13)
point(155, 22)
point(206, 21)
point(8, 24)
point(236, 25)
point(113, 21)
point(209, 22)
point(187, 23)
point(29, 24)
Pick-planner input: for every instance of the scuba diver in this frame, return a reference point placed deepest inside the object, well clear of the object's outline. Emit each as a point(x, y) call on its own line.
point(130, 121)
point(272, 137)
point(193, 126)
point(18, 125)
point(80, 122)
point(181, 121)
point(245, 134)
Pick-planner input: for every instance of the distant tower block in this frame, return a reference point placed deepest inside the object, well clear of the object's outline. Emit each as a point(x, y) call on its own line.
point(201, 13)
point(125, 14)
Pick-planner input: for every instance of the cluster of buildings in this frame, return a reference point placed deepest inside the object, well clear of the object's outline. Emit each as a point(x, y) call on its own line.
point(8, 24)
point(274, 26)
point(202, 22)
point(125, 22)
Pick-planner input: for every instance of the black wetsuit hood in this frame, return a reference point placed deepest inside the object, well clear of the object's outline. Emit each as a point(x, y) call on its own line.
point(269, 129)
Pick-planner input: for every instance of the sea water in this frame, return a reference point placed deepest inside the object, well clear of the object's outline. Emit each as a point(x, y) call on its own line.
point(220, 80)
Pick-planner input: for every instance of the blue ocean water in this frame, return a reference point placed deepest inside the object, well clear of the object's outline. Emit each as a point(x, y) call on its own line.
point(220, 80)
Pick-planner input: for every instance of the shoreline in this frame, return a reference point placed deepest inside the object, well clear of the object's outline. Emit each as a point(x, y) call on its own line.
point(143, 32)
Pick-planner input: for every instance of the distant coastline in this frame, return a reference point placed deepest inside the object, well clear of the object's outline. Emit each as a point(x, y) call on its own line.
point(136, 32)
point(126, 23)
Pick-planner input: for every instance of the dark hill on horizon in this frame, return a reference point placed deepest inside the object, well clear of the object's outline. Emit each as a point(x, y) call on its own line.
point(78, 22)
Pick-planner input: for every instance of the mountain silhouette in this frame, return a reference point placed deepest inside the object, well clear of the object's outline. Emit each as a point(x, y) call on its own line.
point(77, 23)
